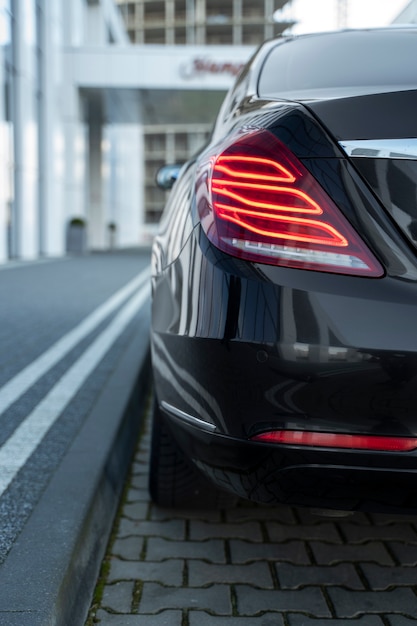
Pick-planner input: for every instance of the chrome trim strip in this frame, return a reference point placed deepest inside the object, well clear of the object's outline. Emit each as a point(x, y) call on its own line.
point(381, 148)
point(190, 419)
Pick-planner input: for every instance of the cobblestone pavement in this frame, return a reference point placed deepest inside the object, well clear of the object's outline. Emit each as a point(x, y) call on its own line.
point(255, 566)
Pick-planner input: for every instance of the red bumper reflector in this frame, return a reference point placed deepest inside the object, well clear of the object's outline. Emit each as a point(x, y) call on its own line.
point(338, 440)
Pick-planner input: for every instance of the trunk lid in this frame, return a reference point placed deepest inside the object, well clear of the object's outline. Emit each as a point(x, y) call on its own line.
point(378, 132)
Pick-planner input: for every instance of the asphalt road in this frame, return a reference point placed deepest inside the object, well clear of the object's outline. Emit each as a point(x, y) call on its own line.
point(67, 327)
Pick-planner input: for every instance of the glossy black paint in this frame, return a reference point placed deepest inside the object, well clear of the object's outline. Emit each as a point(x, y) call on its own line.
point(267, 349)
point(369, 116)
point(249, 347)
point(394, 182)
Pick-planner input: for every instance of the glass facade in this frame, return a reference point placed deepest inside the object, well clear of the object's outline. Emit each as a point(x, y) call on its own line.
point(200, 22)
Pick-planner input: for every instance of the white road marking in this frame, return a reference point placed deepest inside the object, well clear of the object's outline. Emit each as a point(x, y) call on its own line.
point(18, 263)
point(28, 435)
point(27, 377)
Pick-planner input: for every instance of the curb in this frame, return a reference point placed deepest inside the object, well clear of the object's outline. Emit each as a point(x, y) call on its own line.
point(51, 582)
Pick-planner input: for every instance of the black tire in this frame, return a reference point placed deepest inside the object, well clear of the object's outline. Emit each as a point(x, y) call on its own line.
point(173, 481)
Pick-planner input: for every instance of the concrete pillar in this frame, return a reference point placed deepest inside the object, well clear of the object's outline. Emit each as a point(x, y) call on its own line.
point(237, 25)
point(75, 167)
point(200, 18)
point(73, 22)
point(4, 165)
point(75, 139)
point(269, 25)
point(96, 32)
point(124, 184)
point(51, 140)
point(95, 210)
point(25, 222)
point(132, 185)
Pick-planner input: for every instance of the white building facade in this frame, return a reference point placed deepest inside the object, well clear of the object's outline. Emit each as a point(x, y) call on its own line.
point(74, 97)
point(43, 130)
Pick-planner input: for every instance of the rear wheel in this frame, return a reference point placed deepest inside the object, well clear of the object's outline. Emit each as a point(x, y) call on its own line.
point(173, 481)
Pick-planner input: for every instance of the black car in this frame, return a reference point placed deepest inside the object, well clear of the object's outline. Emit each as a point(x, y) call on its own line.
point(284, 322)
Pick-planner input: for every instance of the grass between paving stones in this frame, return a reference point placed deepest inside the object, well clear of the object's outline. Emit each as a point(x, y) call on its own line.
point(105, 566)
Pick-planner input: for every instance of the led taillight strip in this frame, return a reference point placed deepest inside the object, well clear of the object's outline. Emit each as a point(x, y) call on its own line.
point(333, 238)
point(225, 165)
point(338, 440)
point(221, 187)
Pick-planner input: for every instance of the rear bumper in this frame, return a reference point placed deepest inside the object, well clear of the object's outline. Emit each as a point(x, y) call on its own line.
point(271, 474)
point(245, 388)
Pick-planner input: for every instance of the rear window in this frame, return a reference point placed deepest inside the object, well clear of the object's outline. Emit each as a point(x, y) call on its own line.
point(341, 60)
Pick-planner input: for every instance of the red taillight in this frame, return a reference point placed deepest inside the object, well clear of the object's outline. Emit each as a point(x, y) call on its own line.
point(257, 201)
point(338, 440)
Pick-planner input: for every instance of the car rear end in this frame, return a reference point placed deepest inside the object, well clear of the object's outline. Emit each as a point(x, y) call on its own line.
point(284, 343)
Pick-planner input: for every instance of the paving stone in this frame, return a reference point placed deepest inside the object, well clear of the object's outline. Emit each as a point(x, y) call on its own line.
point(140, 464)
point(186, 514)
point(283, 514)
point(201, 573)
point(354, 603)
point(381, 578)
point(245, 552)
point(373, 551)
point(314, 516)
point(246, 530)
point(138, 495)
point(166, 618)
point(295, 576)
point(319, 532)
point(146, 438)
point(128, 547)
point(200, 618)
point(156, 597)
point(139, 481)
point(170, 529)
point(118, 597)
point(392, 532)
point(251, 601)
point(400, 620)
point(406, 555)
point(136, 510)
point(381, 519)
point(302, 620)
point(212, 550)
point(170, 572)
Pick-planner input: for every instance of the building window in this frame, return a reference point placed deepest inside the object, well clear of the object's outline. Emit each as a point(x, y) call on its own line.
point(191, 22)
point(167, 144)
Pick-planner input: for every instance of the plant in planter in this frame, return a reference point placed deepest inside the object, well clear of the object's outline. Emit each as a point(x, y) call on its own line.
point(112, 227)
